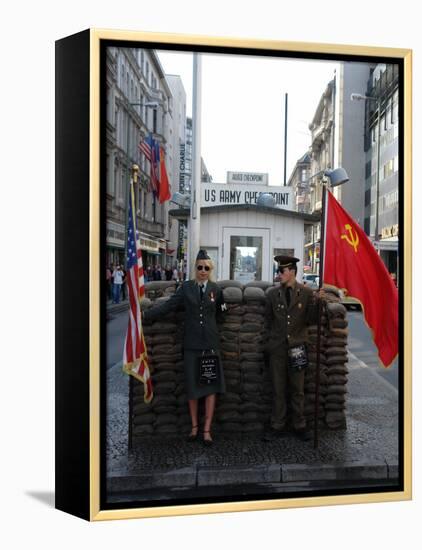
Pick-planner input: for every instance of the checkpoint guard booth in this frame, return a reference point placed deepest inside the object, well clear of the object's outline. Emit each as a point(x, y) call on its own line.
point(242, 236)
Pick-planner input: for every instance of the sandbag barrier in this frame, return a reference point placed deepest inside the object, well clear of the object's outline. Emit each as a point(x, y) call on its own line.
point(245, 407)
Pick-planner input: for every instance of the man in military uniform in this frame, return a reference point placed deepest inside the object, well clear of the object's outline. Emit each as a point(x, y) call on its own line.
point(290, 308)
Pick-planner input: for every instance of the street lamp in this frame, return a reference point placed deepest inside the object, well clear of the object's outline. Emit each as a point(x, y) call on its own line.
point(338, 176)
point(361, 97)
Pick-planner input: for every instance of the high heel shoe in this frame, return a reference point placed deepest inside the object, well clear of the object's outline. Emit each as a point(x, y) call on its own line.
point(208, 442)
point(193, 436)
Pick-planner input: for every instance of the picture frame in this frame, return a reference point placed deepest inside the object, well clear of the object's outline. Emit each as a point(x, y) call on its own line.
point(82, 487)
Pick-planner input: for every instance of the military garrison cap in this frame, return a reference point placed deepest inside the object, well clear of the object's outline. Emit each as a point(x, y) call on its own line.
point(286, 261)
point(202, 255)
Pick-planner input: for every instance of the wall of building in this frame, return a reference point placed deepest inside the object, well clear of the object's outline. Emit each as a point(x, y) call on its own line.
point(284, 233)
point(350, 121)
point(134, 77)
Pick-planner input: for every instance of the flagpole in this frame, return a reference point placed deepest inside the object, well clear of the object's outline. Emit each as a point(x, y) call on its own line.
point(194, 227)
point(321, 272)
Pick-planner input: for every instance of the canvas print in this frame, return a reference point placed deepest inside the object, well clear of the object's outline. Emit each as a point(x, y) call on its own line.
point(251, 255)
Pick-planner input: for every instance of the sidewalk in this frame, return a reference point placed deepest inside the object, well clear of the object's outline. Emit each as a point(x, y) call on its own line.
point(116, 308)
point(363, 455)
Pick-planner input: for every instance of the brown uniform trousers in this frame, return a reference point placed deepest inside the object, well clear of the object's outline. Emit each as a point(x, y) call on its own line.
point(287, 327)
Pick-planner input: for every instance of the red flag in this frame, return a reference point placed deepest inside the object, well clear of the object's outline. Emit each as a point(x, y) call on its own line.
point(352, 264)
point(165, 193)
point(155, 167)
point(135, 356)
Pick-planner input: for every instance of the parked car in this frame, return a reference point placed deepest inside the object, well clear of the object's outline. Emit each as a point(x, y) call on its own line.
point(349, 302)
point(311, 280)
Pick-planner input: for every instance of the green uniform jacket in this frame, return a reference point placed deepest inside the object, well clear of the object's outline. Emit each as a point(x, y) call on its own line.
point(200, 323)
point(287, 326)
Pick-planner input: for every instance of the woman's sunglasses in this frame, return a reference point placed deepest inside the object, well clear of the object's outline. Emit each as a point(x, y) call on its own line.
point(201, 267)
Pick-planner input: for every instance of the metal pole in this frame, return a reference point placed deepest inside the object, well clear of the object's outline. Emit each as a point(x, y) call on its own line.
point(128, 182)
point(285, 138)
point(321, 272)
point(130, 429)
point(377, 179)
point(194, 224)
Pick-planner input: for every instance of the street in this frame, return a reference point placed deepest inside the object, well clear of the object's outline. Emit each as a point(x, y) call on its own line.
point(363, 347)
point(116, 332)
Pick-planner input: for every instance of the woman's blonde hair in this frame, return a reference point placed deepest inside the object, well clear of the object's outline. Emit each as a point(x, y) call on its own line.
point(211, 265)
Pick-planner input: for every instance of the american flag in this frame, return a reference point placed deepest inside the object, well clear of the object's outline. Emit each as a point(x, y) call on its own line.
point(151, 149)
point(145, 146)
point(135, 357)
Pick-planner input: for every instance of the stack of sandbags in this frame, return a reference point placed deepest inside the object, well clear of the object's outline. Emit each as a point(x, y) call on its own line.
point(255, 404)
point(157, 289)
point(227, 413)
point(246, 405)
point(164, 415)
point(336, 353)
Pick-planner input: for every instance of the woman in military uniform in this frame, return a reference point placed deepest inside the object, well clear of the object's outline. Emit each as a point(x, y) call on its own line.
point(203, 301)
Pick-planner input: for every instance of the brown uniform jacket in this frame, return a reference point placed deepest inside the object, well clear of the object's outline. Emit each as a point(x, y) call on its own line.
point(287, 326)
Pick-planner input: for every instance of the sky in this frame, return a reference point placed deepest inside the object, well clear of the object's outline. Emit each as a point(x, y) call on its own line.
point(243, 105)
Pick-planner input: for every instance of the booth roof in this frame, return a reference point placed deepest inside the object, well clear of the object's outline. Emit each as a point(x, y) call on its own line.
point(184, 213)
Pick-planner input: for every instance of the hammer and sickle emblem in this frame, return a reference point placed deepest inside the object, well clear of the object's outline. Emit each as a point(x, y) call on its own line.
point(352, 238)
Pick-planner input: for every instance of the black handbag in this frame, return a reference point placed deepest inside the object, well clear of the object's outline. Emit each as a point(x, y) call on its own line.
point(297, 357)
point(209, 368)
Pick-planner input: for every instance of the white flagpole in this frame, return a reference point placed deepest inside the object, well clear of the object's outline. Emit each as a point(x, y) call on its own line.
point(195, 212)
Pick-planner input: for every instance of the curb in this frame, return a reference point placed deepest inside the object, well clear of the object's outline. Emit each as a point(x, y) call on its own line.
point(198, 477)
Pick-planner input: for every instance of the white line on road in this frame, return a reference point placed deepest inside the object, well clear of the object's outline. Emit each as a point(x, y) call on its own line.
point(373, 370)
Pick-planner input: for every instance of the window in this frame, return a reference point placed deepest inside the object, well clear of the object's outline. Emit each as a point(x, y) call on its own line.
point(245, 258)
point(388, 114)
point(154, 121)
point(388, 168)
point(395, 110)
point(122, 76)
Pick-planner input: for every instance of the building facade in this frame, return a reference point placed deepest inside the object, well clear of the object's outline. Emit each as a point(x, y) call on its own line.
point(299, 182)
point(338, 139)
point(139, 103)
point(384, 86)
point(178, 148)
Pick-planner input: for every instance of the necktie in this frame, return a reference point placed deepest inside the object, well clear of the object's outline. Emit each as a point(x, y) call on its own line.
point(201, 291)
point(288, 295)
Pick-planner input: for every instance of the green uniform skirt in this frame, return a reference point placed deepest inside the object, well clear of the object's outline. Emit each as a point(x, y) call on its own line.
point(194, 389)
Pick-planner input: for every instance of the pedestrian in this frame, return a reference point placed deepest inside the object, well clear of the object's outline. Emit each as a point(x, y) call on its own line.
point(175, 275)
point(156, 274)
point(168, 273)
point(394, 278)
point(124, 285)
point(290, 308)
point(109, 287)
point(203, 368)
point(117, 284)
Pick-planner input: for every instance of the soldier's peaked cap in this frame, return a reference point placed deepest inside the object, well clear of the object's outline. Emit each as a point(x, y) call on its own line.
point(286, 261)
point(202, 255)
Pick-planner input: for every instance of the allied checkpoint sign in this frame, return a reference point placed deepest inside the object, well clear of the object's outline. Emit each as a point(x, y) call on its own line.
point(218, 194)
